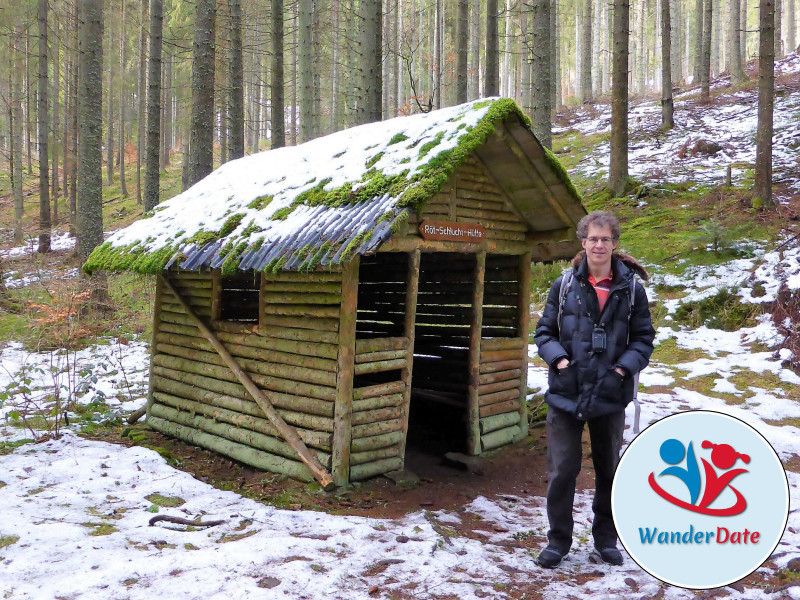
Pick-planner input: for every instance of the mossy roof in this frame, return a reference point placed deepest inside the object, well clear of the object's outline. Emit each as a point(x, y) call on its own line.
point(316, 204)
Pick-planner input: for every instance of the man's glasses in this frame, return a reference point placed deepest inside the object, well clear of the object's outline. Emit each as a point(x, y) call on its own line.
point(606, 241)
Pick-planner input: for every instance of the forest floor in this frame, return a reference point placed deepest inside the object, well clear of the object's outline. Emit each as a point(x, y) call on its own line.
point(74, 511)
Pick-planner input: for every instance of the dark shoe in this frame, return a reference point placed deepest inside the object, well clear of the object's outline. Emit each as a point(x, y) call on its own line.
point(549, 558)
point(610, 555)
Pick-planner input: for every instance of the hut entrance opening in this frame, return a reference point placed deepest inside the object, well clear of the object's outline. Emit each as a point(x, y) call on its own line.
point(439, 392)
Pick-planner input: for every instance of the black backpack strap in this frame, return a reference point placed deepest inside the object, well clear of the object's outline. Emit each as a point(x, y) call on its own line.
point(566, 280)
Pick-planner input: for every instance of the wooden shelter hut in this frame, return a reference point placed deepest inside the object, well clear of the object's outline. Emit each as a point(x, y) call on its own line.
point(317, 304)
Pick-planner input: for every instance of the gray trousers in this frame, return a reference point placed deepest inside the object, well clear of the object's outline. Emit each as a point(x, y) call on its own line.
point(563, 466)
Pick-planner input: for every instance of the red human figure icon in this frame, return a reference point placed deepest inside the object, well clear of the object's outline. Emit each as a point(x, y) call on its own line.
point(724, 457)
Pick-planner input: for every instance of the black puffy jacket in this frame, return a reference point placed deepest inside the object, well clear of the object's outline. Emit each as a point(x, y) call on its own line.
point(590, 387)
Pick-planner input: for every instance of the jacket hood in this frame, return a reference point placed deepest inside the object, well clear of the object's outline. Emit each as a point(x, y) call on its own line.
point(625, 259)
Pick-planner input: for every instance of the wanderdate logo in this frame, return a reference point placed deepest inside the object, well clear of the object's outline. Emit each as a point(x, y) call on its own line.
point(700, 499)
point(723, 457)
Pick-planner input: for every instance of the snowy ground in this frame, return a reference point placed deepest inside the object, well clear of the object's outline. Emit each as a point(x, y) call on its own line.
point(74, 513)
point(656, 156)
point(76, 506)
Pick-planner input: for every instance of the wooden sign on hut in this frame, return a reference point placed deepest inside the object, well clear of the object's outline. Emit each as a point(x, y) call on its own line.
point(318, 304)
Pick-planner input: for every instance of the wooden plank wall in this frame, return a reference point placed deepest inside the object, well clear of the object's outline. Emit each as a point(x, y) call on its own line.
point(502, 367)
point(381, 356)
point(471, 196)
point(292, 357)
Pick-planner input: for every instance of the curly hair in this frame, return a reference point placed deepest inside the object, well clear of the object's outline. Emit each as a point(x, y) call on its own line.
point(598, 218)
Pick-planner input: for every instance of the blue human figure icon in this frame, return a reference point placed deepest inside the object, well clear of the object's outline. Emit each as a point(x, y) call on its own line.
point(672, 453)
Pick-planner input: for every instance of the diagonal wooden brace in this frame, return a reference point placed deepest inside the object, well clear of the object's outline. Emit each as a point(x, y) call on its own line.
point(286, 431)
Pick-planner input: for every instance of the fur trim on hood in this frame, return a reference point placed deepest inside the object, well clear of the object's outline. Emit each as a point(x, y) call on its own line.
point(627, 260)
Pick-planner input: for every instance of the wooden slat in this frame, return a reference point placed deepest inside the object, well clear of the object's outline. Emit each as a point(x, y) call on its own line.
point(503, 365)
point(499, 376)
point(379, 356)
point(318, 324)
point(381, 344)
point(499, 355)
point(499, 408)
point(381, 389)
point(377, 402)
point(502, 396)
point(380, 366)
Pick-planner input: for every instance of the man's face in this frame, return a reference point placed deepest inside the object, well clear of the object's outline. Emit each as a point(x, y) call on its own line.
point(599, 244)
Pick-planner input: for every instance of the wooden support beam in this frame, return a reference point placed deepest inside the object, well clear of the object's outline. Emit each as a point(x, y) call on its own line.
point(343, 411)
point(524, 317)
point(473, 407)
point(410, 325)
point(287, 432)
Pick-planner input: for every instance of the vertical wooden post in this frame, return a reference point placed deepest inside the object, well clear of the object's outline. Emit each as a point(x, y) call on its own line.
point(523, 324)
point(156, 324)
point(216, 294)
point(453, 200)
point(476, 324)
point(412, 286)
point(343, 411)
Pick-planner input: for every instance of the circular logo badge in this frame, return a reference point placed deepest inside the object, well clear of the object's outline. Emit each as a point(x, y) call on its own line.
point(700, 499)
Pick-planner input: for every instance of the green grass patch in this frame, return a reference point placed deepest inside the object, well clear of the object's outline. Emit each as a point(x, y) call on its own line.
point(723, 311)
point(8, 540)
point(9, 447)
point(98, 529)
point(165, 501)
point(235, 537)
point(669, 353)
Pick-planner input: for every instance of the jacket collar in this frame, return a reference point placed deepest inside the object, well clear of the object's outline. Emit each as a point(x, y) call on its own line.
point(622, 274)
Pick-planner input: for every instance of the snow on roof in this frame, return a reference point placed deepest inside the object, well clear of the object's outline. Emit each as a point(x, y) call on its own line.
point(320, 202)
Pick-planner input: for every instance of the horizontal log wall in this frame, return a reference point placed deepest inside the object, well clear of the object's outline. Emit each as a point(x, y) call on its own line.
point(502, 372)
point(471, 196)
point(381, 355)
point(291, 356)
point(501, 296)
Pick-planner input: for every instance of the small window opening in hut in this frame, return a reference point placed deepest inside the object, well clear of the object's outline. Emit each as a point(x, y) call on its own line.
point(239, 297)
point(440, 378)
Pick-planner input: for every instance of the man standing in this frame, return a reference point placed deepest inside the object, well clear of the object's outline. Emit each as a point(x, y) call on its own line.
point(595, 338)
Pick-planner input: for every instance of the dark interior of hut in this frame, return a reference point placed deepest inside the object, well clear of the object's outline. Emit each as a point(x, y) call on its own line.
point(440, 376)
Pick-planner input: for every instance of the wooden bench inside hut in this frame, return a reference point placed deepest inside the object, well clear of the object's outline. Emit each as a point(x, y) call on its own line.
point(317, 326)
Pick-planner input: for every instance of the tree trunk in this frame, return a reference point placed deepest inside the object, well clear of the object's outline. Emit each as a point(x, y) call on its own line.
point(618, 168)
point(743, 30)
point(738, 75)
point(791, 26)
point(541, 92)
point(54, 49)
point(16, 132)
point(277, 122)
point(73, 185)
point(462, 38)
point(526, 61)
point(492, 74)
point(766, 100)
point(667, 109)
point(698, 41)
point(676, 40)
point(141, 94)
point(474, 80)
point(586, 53)
point(705, 73)
point(555, 59)
point(123, 187)
point(305, 69)
point(293, 78)
point(778, 28)
point(90, 123)
point(369, 107)
point(201, 134)
point(44, 129)
point(152, 162)
point(166, 124)
point(438, 31)
point(236, 82)
point(597, 48)
point(110, 113)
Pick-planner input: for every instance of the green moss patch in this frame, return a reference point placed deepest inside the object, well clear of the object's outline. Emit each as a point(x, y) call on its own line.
point(260, 203)
point(165, 501)
point(8, 540)
point(723, 311)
